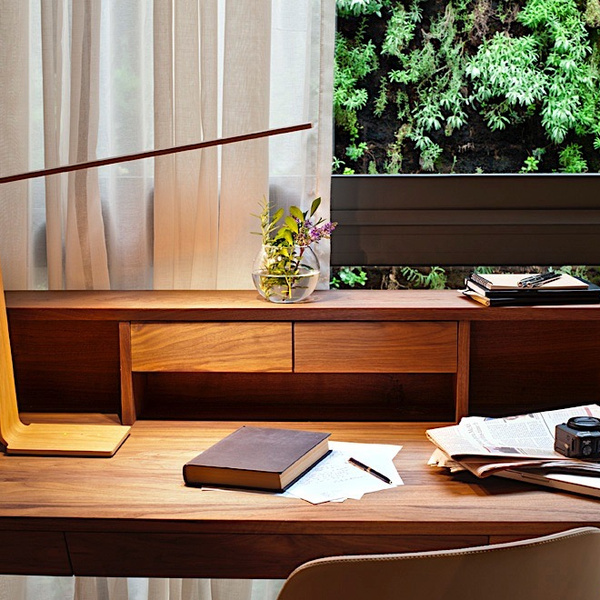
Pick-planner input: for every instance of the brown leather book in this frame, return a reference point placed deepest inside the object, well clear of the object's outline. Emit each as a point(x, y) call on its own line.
point(261, 458)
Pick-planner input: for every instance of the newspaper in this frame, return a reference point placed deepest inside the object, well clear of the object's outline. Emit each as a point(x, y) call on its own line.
point(483, 467)
point(484, 445)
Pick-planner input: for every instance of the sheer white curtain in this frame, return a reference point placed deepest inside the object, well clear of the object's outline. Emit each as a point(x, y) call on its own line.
point(81, 79)
point(98, 78)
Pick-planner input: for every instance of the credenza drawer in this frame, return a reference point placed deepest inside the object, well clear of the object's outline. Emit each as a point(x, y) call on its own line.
point(375, 347)
point(245, 347)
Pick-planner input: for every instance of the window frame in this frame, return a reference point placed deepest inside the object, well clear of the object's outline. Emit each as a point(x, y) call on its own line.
point(457, 220)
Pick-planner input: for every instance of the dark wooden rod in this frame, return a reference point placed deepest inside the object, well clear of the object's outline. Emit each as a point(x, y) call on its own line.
point(153, 153)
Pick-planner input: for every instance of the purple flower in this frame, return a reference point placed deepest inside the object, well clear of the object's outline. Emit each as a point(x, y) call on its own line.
point(323, 232)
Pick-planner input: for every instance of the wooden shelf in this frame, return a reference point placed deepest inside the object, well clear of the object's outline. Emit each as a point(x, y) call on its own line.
point(490, 361)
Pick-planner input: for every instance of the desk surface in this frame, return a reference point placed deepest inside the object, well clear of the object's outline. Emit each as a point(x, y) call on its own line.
point(132, 515)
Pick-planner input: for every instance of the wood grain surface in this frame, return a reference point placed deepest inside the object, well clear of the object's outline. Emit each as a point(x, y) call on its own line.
point(225, 346)
point(333, 305)
point(130, 512)
point(375, 347)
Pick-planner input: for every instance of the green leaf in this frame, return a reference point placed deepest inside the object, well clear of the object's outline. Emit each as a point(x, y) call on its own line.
point(292, 224)
point(296, 212)
point(314, 206)
point(277, 216)
point(287, 234)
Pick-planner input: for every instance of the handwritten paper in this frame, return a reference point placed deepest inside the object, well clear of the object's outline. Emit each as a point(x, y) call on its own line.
point(334, 479)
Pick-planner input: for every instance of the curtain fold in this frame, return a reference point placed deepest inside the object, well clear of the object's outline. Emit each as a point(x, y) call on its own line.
point(15, 207)
point(85, 244)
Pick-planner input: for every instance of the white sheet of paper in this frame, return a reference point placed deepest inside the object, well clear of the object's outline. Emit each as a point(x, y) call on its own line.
point(335, 479)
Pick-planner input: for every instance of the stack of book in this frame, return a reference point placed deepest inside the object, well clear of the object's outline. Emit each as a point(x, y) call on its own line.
point(517, 289)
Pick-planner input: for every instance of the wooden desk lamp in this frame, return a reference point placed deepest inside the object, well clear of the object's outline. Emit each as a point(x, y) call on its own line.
point(70, 439)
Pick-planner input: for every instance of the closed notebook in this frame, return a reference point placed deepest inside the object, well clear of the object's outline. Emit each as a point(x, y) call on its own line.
point(510, 281)
point(260, 458)
point(590, 294)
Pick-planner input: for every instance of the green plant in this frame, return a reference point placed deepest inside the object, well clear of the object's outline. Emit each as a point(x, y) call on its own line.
point(285, 240)
point(571, 160)
point(571, 80)
point(356, 151)
point(434, 279)
point(354, 60)
point(576, 271)
point(360, 7)
point(514, 63)
point(350, 276)
point(532, 162)
point(507, 77)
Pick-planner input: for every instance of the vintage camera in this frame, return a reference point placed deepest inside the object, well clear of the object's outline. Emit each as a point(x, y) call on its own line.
point(579, 437)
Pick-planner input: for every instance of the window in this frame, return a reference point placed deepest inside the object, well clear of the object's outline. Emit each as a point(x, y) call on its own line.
point(464, 124)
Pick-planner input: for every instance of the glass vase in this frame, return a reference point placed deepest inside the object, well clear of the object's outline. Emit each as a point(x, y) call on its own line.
point(285, 274)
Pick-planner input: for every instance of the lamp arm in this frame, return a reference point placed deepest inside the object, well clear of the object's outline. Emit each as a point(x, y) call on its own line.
point(153, 153)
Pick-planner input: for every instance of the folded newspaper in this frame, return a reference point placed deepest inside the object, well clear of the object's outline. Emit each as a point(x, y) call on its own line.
point(485, 446)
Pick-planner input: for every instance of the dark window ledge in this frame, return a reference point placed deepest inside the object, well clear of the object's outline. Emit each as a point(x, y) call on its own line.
point(540, 219)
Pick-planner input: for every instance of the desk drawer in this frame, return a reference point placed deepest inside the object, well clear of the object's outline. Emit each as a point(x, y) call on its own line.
point(376, 347)
point(34, 553)
point(217, 347)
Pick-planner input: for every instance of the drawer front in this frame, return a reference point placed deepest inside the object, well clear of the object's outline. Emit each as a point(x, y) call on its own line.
point(34, 553)
point(216, 347)
point(376, 347)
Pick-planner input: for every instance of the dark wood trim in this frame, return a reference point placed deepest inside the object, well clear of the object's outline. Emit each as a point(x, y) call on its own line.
point(450, 220)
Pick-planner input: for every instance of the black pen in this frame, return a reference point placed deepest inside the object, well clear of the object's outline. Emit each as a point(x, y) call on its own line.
point(370, 470)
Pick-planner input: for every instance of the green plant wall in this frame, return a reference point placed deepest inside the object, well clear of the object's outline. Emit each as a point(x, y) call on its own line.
point(467, 86)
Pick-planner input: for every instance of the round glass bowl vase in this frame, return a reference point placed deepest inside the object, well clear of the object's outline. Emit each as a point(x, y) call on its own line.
point(285, 274)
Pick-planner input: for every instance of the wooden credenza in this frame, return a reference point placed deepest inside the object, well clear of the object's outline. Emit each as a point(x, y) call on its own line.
point(344, 355)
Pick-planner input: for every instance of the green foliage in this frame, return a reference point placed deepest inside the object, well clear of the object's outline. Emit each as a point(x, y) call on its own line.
point(356, 151)
point(571, 160)
point(400, 31)
point(509, 62)
point(285, 240)
point(532, 162)
point(592, 13)
point(572, 83)
point(434, 279)
point(434, 73)
point(576, 271)
point(382, 99)
point(506, 75)
point(353, 61)
point(350, 276)
point(360, 7)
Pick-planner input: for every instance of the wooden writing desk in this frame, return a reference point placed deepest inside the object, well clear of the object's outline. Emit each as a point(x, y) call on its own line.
point(131, 515)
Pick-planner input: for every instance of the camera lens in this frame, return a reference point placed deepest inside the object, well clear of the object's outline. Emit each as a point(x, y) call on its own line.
point(584, 423)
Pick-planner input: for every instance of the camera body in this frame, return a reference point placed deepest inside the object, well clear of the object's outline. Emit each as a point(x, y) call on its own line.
point(579, 437)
